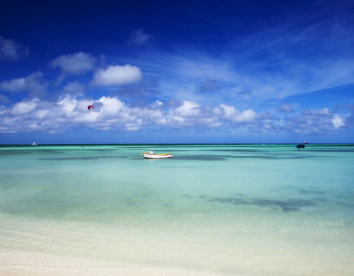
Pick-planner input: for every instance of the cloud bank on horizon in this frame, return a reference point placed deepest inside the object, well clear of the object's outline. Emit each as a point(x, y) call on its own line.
point(272, 72)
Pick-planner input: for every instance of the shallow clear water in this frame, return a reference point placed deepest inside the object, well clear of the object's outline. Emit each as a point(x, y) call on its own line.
point(236, 202)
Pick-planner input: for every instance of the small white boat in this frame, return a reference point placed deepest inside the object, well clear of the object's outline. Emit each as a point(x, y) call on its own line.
point(152, 155)
point(34, 144)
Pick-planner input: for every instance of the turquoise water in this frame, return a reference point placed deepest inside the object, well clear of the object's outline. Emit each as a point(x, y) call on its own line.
point(252, 208)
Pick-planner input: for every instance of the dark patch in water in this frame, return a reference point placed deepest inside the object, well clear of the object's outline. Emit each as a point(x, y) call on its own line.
point(201, 157)
point(206, 157)
point(187, 196)
point(286, 205)
point(269, 157)
point(239, 150)
point(101, 150)
point(24, 152)
point(82, 158)
point(311, 192)
point(345, 204)
point(320, 199)
point(331, 150)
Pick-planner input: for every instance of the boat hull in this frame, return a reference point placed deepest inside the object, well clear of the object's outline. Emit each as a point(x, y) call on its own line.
point(157, 155)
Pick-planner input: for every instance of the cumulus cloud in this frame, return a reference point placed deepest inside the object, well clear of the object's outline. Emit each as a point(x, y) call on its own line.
point(78, 63)
point(32, 83)
point(68, 112)
point(231, 114)
point(190, 114)
point(139, 37)
point(13, 85)
point(314, 122)
point(24, 107)
point(188, 109)
point(111, 113)
point(337, 121)
point(11, 49)
point(110, 106)
point(117, 75)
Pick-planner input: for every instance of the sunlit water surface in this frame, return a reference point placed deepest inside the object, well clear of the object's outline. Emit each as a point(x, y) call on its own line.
point(226, 209)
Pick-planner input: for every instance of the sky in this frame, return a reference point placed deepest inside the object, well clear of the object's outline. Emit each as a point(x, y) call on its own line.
point(176, 71)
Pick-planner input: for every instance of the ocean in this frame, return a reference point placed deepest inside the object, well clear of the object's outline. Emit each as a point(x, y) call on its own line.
point(213, 209)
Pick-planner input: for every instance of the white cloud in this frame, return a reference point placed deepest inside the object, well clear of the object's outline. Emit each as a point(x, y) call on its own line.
point(314, 121)
point(157, 103)
point(110, 106)
point(117, 75)
point(190, 114)
point(78, 63)
point(111, 113)
point(67, 105)
point(337, 121)
point(11, 49)
point(188, 109)
point(231, 114)
point(24, 107)
point(42, 114)
point(13, 85)
point(32, 83)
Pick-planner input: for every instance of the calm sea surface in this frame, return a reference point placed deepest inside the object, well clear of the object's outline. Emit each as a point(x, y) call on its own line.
point(232, 209)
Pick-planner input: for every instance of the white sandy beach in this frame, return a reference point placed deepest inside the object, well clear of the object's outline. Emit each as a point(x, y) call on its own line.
point(31, 263)
point(54, 248)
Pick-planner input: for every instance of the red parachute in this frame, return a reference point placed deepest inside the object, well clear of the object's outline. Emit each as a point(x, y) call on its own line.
point(90, 107)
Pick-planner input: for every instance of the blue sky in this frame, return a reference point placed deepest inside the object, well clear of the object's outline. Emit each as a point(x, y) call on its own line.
point(176, 71)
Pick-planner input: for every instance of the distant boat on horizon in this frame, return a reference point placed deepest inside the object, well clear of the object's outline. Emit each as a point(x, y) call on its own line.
point(34, 144)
